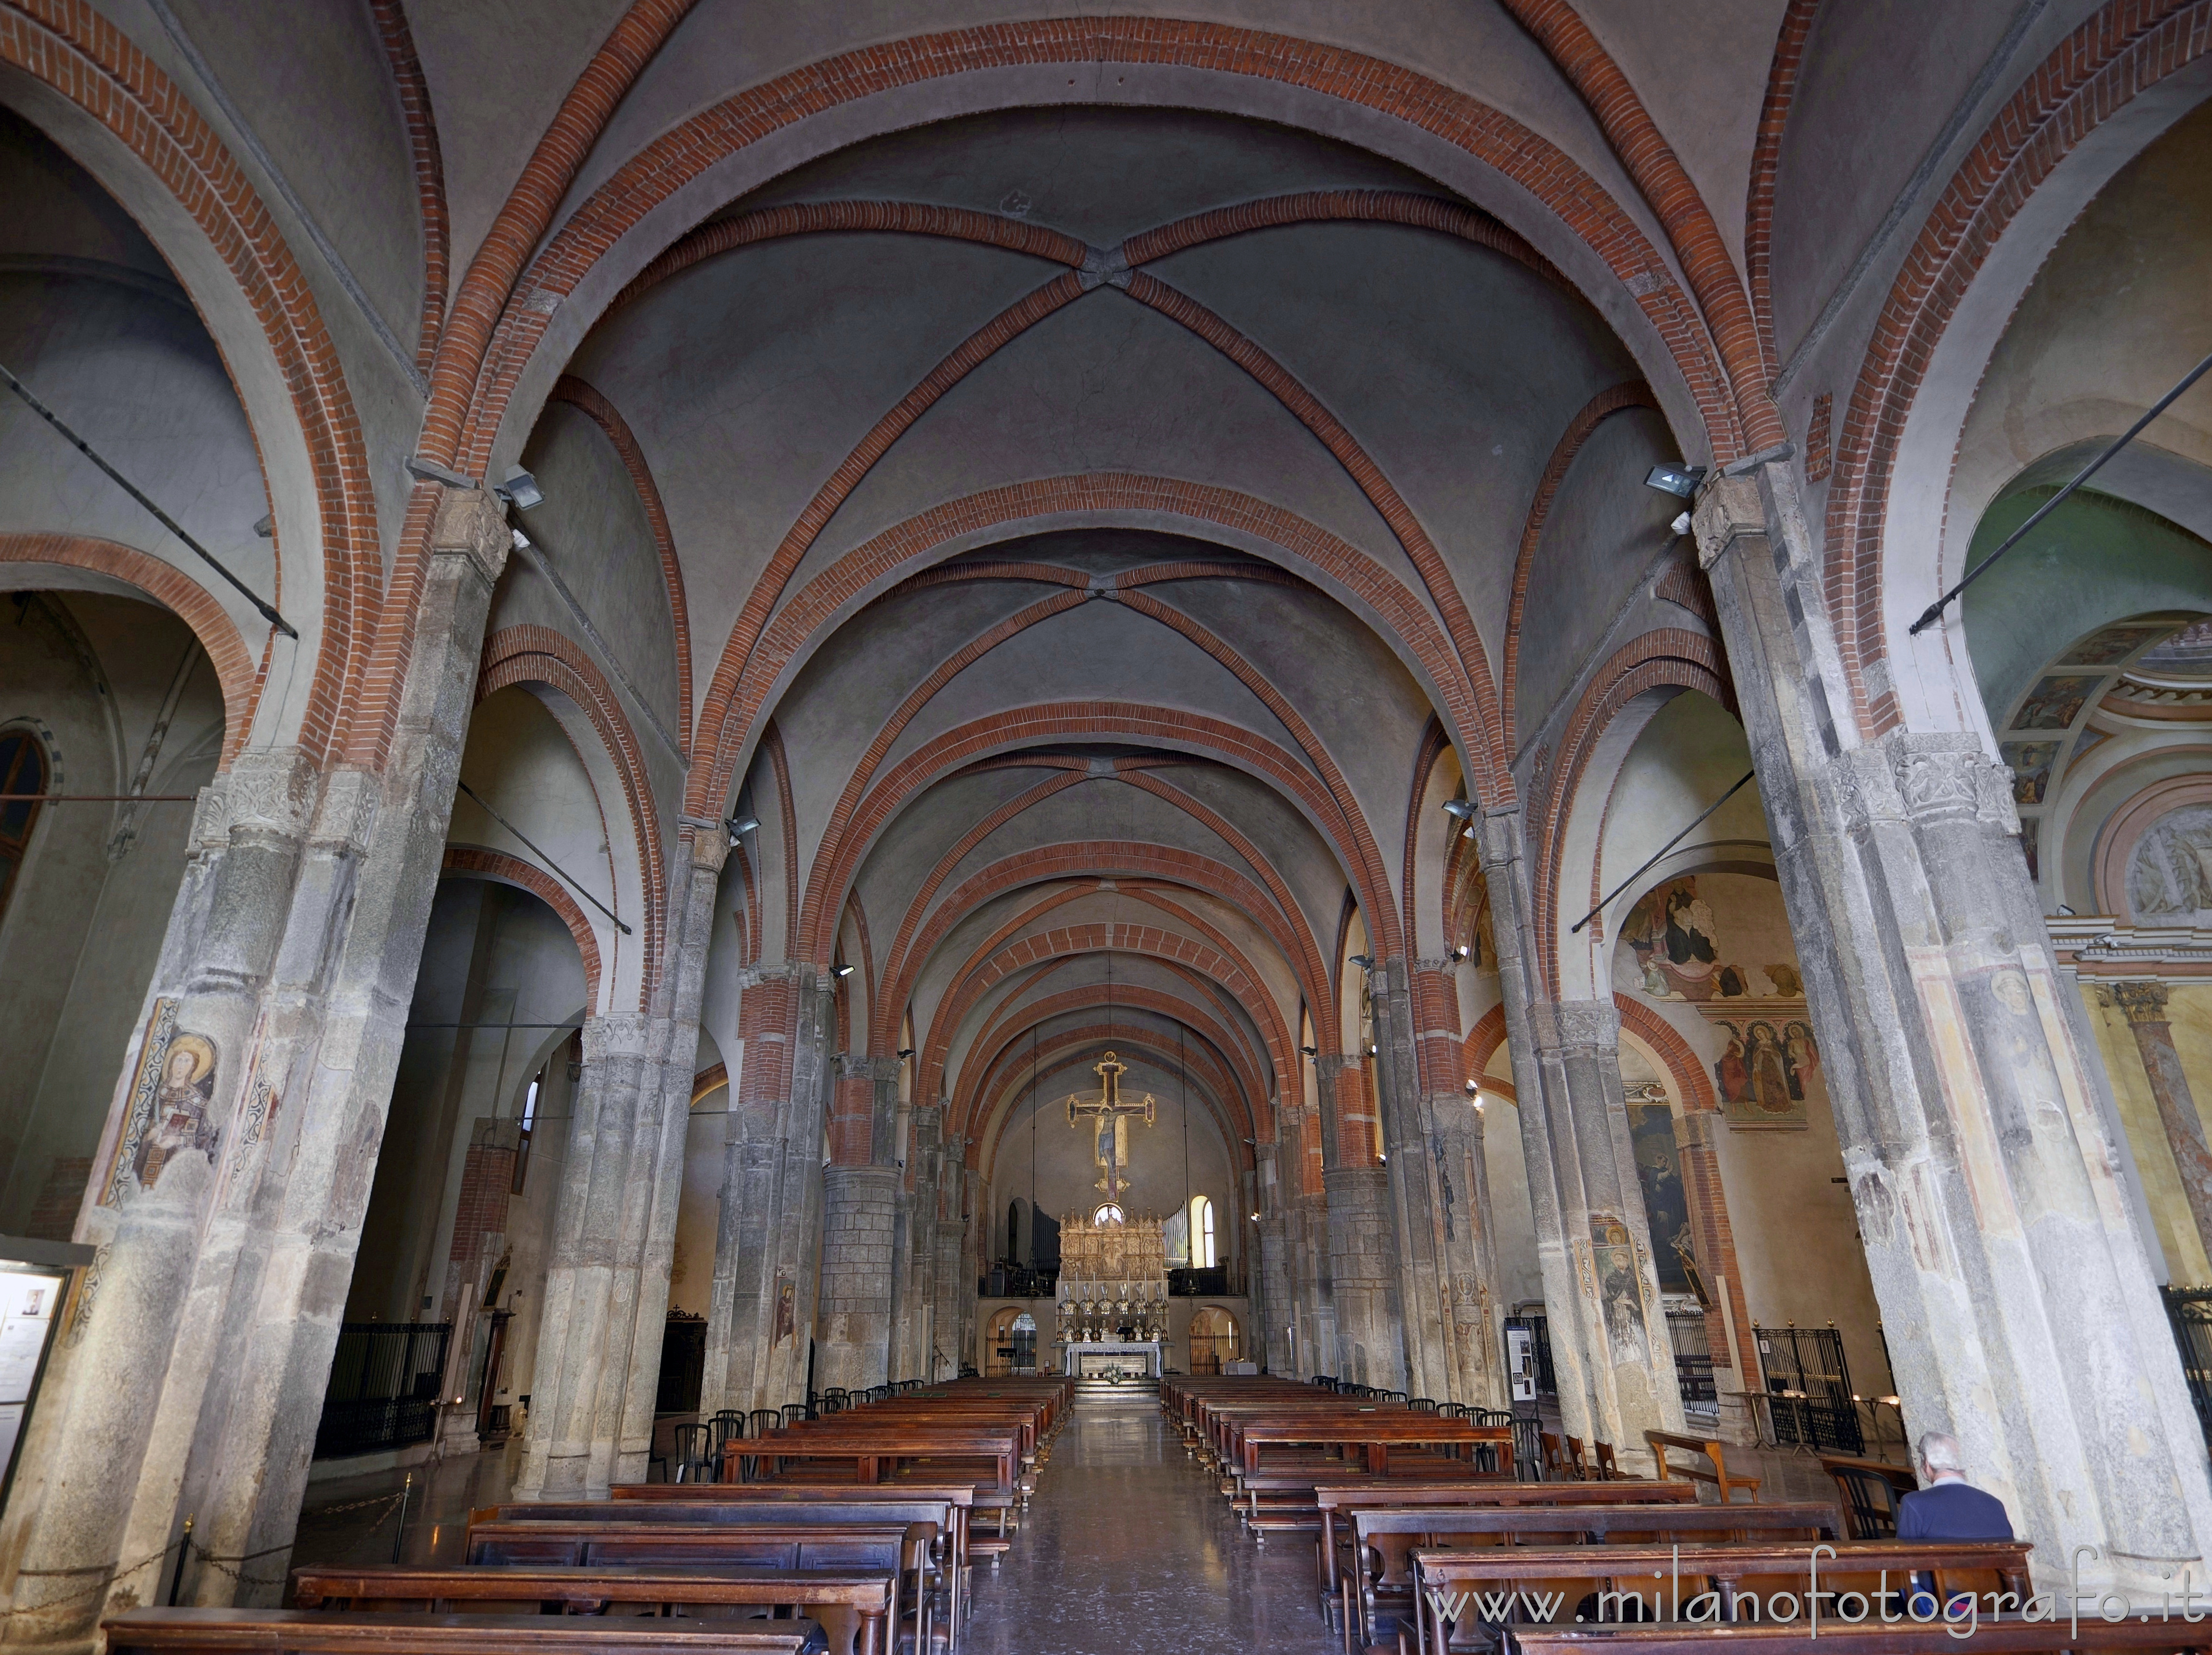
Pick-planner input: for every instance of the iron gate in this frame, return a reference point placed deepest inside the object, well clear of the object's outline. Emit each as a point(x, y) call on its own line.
point(1693, 1355)
point(383, 1394)
point(2189, 1310)
point(1808, 1387)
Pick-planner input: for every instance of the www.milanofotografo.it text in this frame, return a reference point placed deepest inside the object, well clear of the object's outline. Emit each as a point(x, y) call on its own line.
point(1959, 1612)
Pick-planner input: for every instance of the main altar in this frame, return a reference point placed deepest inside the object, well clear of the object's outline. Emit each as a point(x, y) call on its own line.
point(1113, 1294)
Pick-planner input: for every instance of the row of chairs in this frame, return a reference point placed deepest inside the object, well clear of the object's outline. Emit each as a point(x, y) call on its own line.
point(698, 1456)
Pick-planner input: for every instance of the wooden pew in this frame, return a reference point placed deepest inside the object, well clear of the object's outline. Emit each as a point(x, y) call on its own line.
point(937, 1544)
point(856, 1607)
point(1720, 1477)
point(1379, 1580)
point(1687, 1573)
point(1338, 1503)
point(2011, 1636)
point(874, 1450)
point(310, 1632)
point(959, 1498)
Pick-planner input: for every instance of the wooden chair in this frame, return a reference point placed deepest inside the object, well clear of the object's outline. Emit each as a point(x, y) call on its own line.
point(1870, 1491)
point(1607, 1471)
point(1555, 1459)
point(1578, 1465)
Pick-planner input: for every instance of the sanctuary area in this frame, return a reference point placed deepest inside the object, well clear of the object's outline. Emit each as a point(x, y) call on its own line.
point(938, 829)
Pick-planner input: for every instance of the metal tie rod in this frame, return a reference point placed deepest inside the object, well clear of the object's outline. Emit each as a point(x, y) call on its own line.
point(567, 877)
point(1934, 612)
point(268, 613)
point(1661, 852)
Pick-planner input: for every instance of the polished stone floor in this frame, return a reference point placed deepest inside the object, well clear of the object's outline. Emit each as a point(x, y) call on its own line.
point(1128, 1551)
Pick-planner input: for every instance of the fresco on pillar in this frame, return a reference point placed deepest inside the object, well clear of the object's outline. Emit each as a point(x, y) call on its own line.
point(1658, 1174)
point(1721, 942)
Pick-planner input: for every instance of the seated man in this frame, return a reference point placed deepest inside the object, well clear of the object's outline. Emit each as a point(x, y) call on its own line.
point(1950, 1507)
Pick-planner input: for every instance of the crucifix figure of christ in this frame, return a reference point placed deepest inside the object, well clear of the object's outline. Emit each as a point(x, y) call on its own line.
point(1109, 1116)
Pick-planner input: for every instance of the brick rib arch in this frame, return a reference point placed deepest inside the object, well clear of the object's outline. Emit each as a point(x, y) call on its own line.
point(1114, 937)
point(1668, 656)
point(739, 692)
point(536, 654)
point(848, 836)
point(477, 862)
point(177, 592)
point(83, 58)
point(685, 152)
point(2126, 48)
point(1092, 858)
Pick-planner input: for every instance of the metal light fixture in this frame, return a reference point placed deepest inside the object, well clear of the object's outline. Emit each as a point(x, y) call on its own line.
point(1680, 481)
point(1462, 808)
point(1365, 962)
point(1461, 952)
point(739, 826)
point(906, 1051)
point(841, 970)
point(1311, 1051)
point(520, 491)
point(1681, 523)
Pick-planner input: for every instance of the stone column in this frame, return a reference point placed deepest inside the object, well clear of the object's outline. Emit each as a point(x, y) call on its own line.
point(942, 1356)
point(1610, 1352)
point(1362, 1238)
point(191, 1374)
point(1273, 1275)
point(2144, 1001)
point(764, 1248)
point(1416, 1203)
point(860, 1209)
point(1627, 1355)
point(916, 1308)
point(1736, 1366)
point(2015, 1296)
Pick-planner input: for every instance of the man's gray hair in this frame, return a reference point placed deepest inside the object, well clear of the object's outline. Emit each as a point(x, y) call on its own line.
point(1940, 1451)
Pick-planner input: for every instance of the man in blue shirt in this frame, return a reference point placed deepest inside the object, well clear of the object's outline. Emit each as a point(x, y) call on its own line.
point(1950, 1507)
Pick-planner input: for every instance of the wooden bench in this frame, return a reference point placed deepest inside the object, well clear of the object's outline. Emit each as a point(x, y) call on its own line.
point(312, 1631)
point(937, 1548)
point(1870, 1491)
point(2010, 1636)
point(960, 1500)
point(1379, 1580)
point(855, 1608)
point(1720, 1477)
point(1337, 1503)
point(1498, 1578)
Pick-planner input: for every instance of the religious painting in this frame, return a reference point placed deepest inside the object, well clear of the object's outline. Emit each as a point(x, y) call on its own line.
point(1672, 932)
point(786, 1311)
point(2113, 644)
point(2170, 874)
point(1766, 1072)
point(1621, 1294)
point(1666, 1204)
point(2055, 703)
point(2031, 834)
point(2031, 768)
point(170, 1095)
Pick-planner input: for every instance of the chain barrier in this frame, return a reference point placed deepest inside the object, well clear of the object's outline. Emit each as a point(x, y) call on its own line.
point(228, 1566)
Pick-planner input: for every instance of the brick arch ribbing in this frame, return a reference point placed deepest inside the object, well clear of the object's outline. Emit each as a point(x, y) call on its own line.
point(85, 60)
point(537, 654)
point(475, 861)
point(2121, 51)
point(942, 1032)
point(1668, 656)
point(1666, 1042)
point(1110, 937)
point(999, 1048)
point(994, 1115)
point(1434, 743)
point(847, 838)
point(177, 592)
point(586, 400)
point(737, 695)
point(681, 155)
point(1765, 164)
point(1663, 181)
point(1612, 400)
point(1089, 859)
point(413, 91)
point(1484, 1039)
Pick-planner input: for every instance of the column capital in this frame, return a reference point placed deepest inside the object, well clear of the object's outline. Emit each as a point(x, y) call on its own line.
point(625, 1036)
point(1498, 836)
point(271, 790)
point(2143, 999)
point(1728, 510)
point(1558, 1023)
point(471, 523)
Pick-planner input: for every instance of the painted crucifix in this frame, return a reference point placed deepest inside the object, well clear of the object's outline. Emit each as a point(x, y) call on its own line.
point(1109, 1116)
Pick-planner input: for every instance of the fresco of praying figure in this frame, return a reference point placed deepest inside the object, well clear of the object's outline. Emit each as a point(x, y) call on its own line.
point(179, 1120)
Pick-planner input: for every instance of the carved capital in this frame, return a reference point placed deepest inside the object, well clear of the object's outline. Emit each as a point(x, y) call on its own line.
point(269, 790)
point(1950, 775)
point(346, 811)
point(2143, 999)
point(615, 1037)
point(471, 523)
point(1559, 1024)
point(1729, 511)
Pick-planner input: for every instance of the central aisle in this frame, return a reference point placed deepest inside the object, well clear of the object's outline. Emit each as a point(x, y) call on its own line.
point(1129, 1551)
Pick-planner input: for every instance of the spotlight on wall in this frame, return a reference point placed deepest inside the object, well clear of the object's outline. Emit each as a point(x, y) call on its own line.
point(1365, 962)
point(1311, 1051)
point(1680, 481)
point(906, 1051)
point(1680, 525)
point(520, 491)
point(1461, 952)
point(1255, 1217)
point(1475, 1088)
point(841, 970)
point(1462, 808)
point(1374, 1051)
point(739, 826)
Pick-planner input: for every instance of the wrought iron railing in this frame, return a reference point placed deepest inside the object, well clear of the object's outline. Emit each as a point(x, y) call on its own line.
point(1693, 1355)
point(383, 1393)
point(2189, 1310)
point(1808, 1389)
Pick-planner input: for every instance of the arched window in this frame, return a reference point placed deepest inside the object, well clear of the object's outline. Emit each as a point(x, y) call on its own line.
point(22, 769)
point(1202, 1233)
